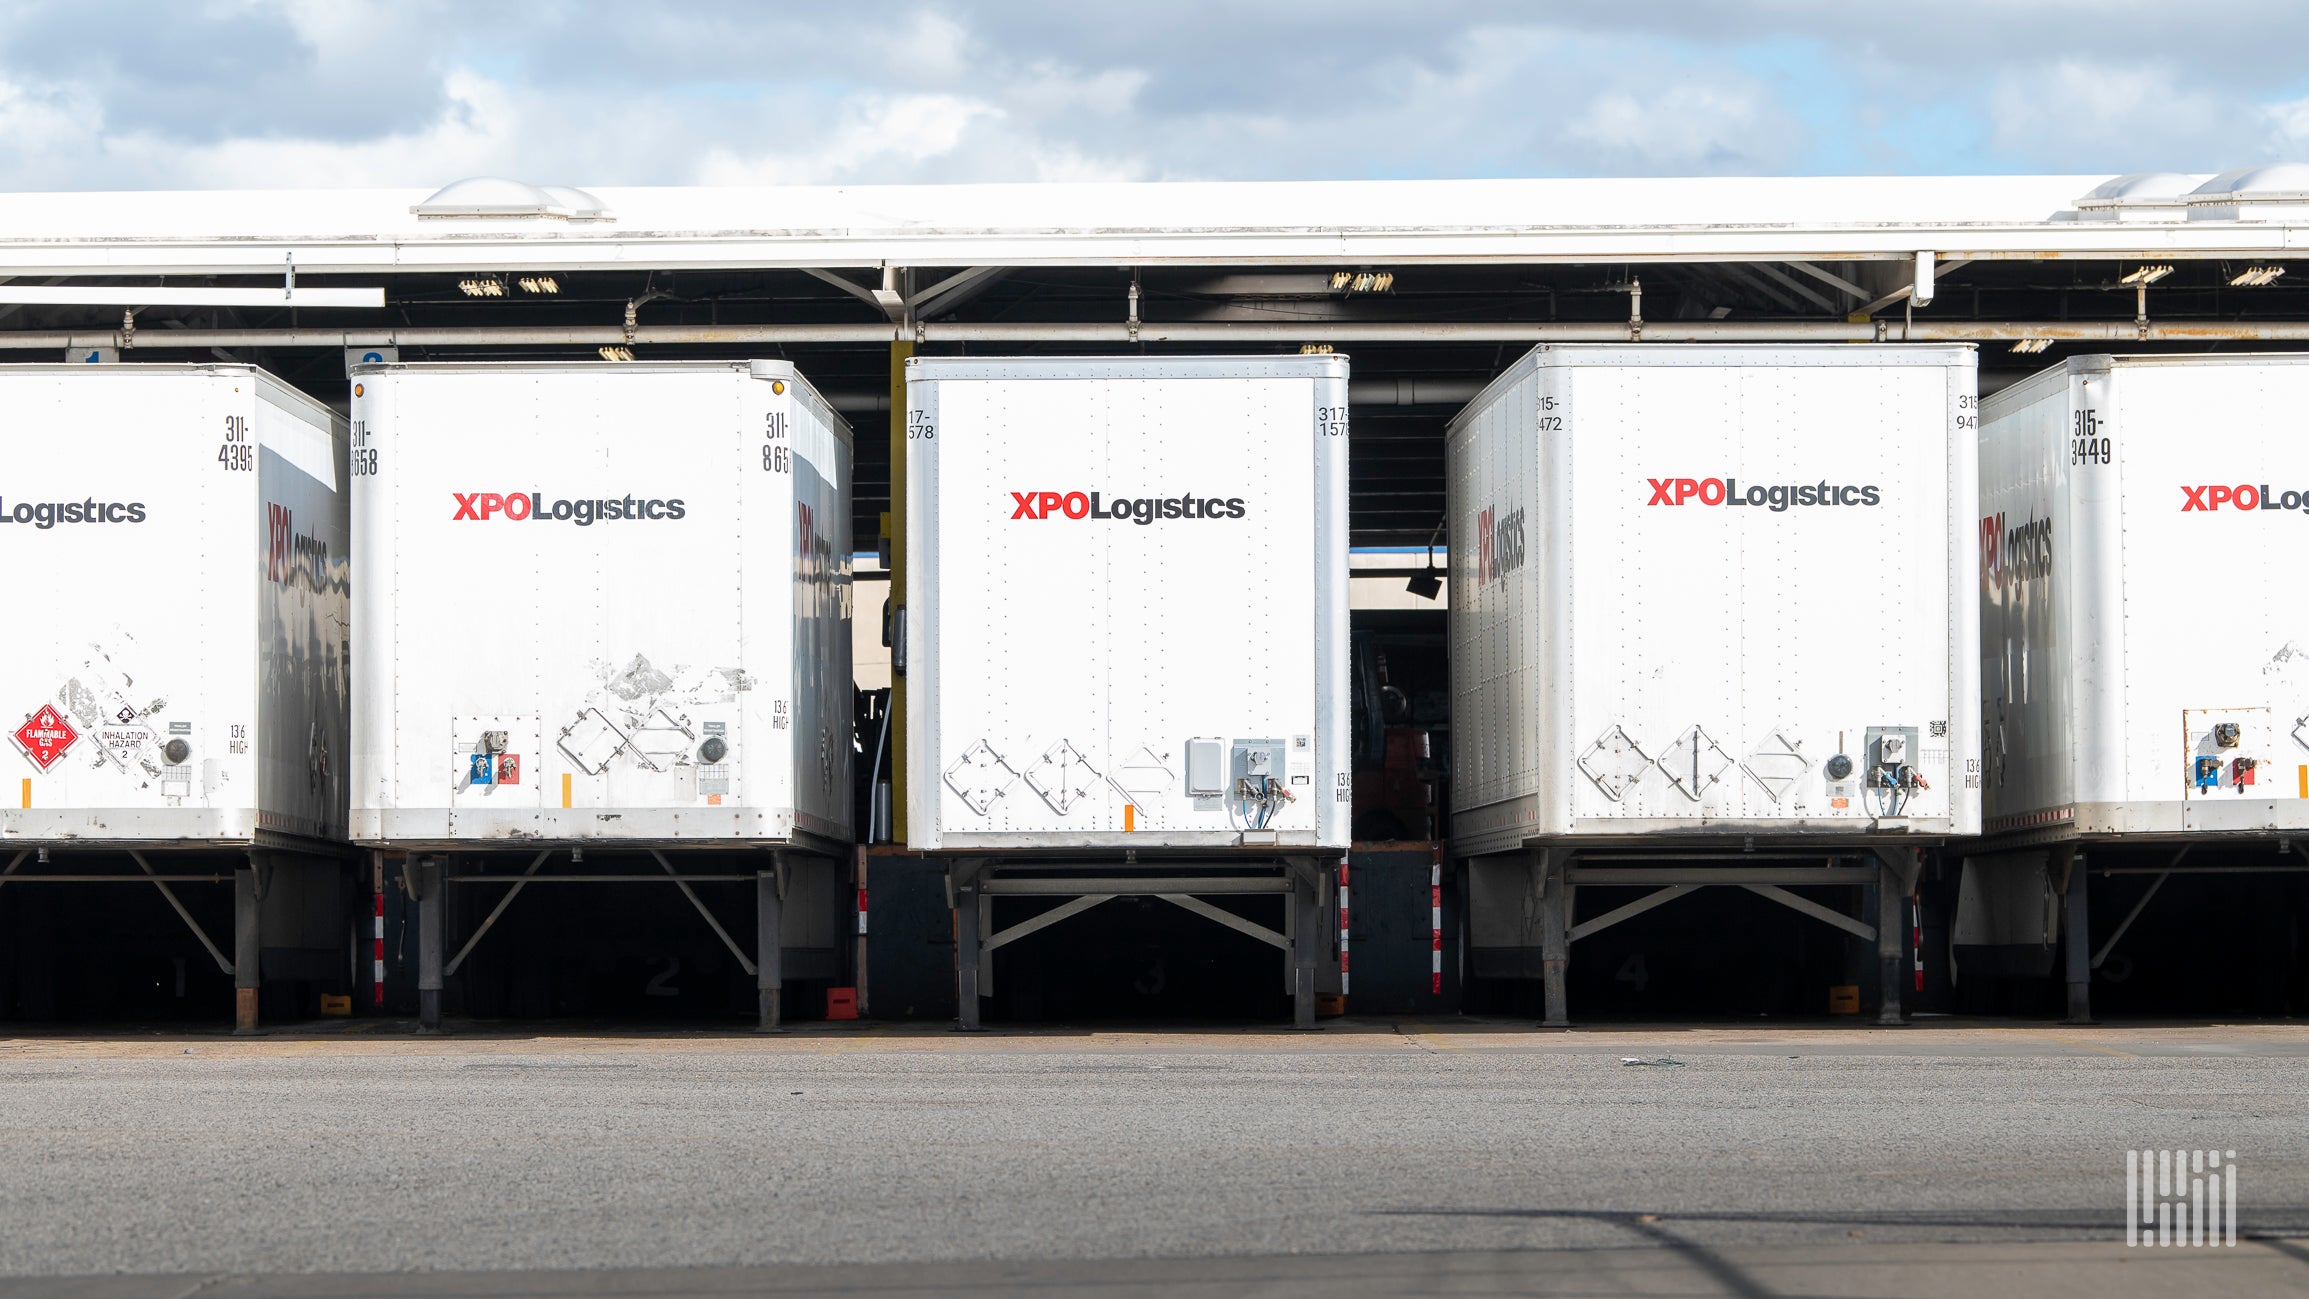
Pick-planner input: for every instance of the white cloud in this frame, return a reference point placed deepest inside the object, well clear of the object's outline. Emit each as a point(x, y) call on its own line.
point(419, 92)
point(2075, 109)
point(1685, 128)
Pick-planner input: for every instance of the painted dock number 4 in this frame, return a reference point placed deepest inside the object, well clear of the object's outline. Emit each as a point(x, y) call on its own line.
point(45, 736)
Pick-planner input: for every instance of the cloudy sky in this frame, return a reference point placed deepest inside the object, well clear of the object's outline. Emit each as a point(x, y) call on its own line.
point(248, 93)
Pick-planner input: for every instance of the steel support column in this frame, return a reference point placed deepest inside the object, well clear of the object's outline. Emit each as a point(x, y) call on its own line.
point(246, 948)
point(1555, 914)
point(426, 875)
point(901, 352)
point(1891, 960)
point(769, 969)
point(1306, 936)
point(2077, 938)
point(967, 951)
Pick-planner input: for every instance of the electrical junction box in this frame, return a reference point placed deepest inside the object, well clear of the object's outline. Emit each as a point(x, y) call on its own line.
point(1258, 759)
point(1206, 767)
point(599, 603)
point(178, 560)
point(1109, 561)
point(1889, 746)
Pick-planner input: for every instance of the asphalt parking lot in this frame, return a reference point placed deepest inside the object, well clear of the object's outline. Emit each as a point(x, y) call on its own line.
point(1453, 1156)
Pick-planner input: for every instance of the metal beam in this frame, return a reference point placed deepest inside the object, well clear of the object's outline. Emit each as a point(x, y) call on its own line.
point(5, 878)
point(1747, 277)
point(1641, 875)
point(2130, 917)
point(520, 882)
point(745, 962)
point(182, 914)
point(1858, 294)
point(598, 879)
point(1631, 910)
point(1806, 906)
point(1791, 284)
point(1118, 333)
point(1220, 916)
point(1126, 886)
point(138, 295)
point(859, 291)
point(1063, 911)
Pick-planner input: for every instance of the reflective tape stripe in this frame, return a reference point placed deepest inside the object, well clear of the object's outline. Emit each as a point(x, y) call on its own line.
point(1435, 921)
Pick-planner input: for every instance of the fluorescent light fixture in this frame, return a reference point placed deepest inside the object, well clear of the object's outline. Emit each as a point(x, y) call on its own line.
point(539, 284)
point(2029, 345)
point(2145, 274)
point(1362, 281)
point(481, 288)
point(2254, 277)
point(615, 353)
point(132, 295)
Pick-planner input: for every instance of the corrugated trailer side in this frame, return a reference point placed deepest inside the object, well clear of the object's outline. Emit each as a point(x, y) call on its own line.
point(1126, 648)
point(607, 608)
point(181, 533)
point(1706, 600)
point(2144, 678)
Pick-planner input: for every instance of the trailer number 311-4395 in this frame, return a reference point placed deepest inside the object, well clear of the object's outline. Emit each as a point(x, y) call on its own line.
point(236, 453)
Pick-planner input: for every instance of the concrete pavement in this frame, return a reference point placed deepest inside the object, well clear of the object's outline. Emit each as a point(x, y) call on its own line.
point(1455, 1156)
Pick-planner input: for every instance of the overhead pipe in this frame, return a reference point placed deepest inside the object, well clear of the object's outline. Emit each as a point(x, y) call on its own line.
point(1201, 332)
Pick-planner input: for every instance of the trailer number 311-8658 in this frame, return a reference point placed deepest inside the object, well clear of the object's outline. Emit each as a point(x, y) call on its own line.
point(777, 453)
point(236, 453)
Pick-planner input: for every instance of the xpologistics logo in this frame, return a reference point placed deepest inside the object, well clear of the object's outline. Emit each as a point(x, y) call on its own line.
point(2010, 556)
point(2242, 496)
point(1141, 510)
point(1778, 497)
point(47, 514)
point(1499, 543)
point(290, 554)
point(532, 507)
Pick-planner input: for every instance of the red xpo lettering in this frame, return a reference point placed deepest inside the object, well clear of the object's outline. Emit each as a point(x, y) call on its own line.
point(1483, 560)
point(277, 541)
point(2208, 497)
point(1139, 509)
point(1776, 497)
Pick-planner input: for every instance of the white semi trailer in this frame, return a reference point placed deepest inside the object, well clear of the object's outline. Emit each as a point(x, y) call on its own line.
point(2145, 682)
point(606, 607)
point(1709, 601)
point(1126, 650)
point(176, 662)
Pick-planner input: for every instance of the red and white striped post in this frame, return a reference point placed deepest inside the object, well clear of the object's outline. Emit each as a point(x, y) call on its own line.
point(1435, 921)
point(1916, 901)
point(1342, 926)
point(377, 931)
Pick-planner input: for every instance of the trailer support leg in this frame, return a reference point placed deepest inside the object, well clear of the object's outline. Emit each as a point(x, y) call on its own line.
point(1891, 953)
point(1554, 877)
point(2078, 938)
point(426, 875)
point(1306, 934)
point(246, 946)
point(966, 950)
point(769, 970)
